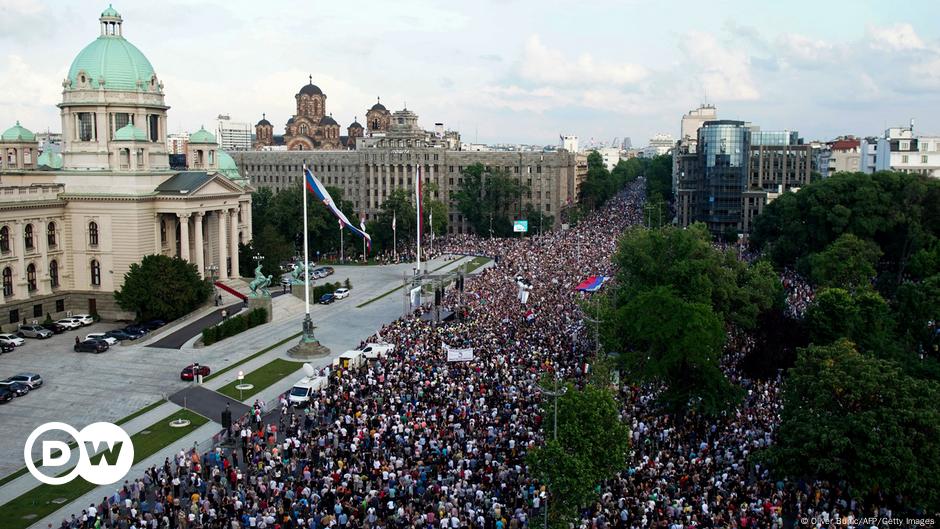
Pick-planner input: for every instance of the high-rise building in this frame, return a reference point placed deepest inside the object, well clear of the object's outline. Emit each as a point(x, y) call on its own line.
point(735, 171)
point(232, 135)
point(688, 136)
point(659, 144)
point(176, 142)
point(569, 143)
point(900, 150)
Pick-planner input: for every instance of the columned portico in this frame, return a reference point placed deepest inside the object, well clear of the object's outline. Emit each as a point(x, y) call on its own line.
point(157, 238)
point(199, 249)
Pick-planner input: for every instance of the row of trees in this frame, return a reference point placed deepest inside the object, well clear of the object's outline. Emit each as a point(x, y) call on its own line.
point(490, 199)
point(861, 403)
point(675, 296)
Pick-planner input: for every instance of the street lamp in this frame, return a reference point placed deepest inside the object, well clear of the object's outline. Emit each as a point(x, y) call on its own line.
point(213, 269)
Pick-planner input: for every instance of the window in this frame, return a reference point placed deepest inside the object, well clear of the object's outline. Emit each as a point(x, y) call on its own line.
point(93, 233)
point(28, 236)
point(121, 120)
point(60, 305)
point(5, 239)
point(86, 126)
point(54, 273)
point(95, 273)
point(50, 234)
point(903, 158)
point(31, 277)
point(14, 316)
point(154, 126)
point(923, 158)
point(8, 281)
point(37, 310)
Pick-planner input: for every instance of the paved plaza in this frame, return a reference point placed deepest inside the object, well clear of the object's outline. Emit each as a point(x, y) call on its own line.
point(88, 388)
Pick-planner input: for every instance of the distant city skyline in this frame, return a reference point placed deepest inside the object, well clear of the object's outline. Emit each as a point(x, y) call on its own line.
point(505, 71)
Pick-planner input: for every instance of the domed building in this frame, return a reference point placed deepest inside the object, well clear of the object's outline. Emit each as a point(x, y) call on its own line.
point(72, 224)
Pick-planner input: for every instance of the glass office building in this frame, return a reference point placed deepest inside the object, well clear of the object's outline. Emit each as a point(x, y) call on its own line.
point(723, 146)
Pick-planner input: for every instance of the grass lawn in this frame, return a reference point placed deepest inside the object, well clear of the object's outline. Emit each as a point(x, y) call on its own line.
point(253, 356)
point(17, 514)
point(477, 262)
point(261, 378)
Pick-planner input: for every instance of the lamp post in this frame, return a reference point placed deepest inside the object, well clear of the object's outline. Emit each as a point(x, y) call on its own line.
point(241, 377)
point(258, 258)
point(213, 269)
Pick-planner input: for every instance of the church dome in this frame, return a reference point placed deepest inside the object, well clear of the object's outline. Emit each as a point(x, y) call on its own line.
point(129, 133)
point(227, 166)
point(311, 89)
point(378, 106)
point(355, 124)
point(264, 122)
point(18, 133)
point(202, 136)
point(328, 120)
point(50, 159)
point(112, 58)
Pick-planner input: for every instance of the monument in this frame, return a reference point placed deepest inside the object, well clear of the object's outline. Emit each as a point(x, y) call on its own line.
point(260, 296)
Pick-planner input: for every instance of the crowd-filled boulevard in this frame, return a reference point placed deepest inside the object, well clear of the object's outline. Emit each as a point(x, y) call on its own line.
point(414, 441)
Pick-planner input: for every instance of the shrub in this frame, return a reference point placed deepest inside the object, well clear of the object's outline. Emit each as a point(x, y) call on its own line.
point(233, 326)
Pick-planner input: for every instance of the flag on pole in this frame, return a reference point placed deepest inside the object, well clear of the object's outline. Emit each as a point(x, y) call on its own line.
point(394, 216)
point(362, 224)
point(317, 188)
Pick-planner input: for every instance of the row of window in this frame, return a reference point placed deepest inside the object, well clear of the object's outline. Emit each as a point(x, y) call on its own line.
point(37, 311)
point(325, 168)
point(923, 158)
point(31, 285)
point(29, 240)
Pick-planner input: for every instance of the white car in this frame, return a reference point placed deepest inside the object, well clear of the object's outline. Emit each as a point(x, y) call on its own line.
point(375, 350)
point(110, 340)
point(341, 293)
point(69, 323)
point(12, 339)
point(84, 319)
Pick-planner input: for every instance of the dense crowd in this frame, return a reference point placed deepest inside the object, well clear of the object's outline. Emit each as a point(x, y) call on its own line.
point(414, 441)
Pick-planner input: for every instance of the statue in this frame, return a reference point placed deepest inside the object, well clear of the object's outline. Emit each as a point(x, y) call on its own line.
point(259, 285)
point(295, 275)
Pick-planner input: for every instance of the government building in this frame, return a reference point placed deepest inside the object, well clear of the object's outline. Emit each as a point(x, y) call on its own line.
point(72, 223)
point(369, 162)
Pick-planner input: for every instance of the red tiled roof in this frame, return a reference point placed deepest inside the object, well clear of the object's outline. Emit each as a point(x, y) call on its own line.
point(844, 145)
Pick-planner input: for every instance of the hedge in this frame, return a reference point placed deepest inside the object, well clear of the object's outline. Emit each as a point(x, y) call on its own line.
point(233, 326)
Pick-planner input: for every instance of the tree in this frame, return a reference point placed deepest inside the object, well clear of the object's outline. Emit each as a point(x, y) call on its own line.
point(659, 178)
point(848, 262)
point(591, 447)
point(863, 317)
point(488, 200)
point(918, 316)
point(831, 316)
point(273, 248)
point(162, 287)
point(853, 418)
point(666, 340)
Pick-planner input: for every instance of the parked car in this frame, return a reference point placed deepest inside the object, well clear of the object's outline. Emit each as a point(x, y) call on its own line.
point(56, 328)
point(7, 347)
point(34, 331)
point(30, 379)
point(17, 388)
point(341, 293)
point(153, 324)
point(5, 395)
point(189, 372)
point(326, 299)
point(110, 340)
point(375, 350)
point(121, 334)
point(69, 323)
point(91, 346)
point(136, 330)
point(12, 339)
point(84, 319)
point(328, 269)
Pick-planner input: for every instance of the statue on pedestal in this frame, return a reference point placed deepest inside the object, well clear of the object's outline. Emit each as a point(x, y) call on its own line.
point(259, 285)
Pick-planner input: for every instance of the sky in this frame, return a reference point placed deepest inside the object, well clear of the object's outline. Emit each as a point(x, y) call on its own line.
point(505, 71)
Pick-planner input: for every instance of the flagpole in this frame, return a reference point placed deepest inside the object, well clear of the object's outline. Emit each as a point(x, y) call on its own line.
point(306, 256)
point(341, 259)
point(394, 237)
point(418, 216)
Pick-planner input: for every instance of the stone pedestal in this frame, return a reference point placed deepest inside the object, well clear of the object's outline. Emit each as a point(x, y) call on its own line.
point(261, 303)
point(309, 347)
point(298, 292)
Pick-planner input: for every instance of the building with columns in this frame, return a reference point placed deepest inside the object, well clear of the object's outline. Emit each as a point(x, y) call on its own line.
point(70, 228)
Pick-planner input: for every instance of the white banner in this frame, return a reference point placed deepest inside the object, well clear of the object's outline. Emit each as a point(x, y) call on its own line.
point(458, 355)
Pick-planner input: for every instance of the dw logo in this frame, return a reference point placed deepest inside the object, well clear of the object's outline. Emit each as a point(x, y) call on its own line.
point(112, 464)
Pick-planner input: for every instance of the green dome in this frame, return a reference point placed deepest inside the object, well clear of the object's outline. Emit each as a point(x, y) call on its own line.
point(227, 166)
point(110, 12)
point(18, 133)
point(50, 159)
point(202, 136)
point(129, 133)
point(114, 59)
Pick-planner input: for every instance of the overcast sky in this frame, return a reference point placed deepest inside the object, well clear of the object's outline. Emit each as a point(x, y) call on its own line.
point(505, 70)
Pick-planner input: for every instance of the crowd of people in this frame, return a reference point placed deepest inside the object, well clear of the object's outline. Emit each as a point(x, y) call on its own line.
point(412, 440)
point(800, 294)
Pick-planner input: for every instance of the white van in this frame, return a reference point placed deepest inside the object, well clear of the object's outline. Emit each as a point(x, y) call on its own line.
point(350, 360)
point(305, 388)
point(376, 350)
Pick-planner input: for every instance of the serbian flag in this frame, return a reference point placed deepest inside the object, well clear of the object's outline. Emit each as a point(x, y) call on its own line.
point(591, 284)
point(319, 191)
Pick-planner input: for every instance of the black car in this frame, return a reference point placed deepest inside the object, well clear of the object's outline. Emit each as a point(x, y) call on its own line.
point(121, 334)
point(327, 298)
point(153, 324)
point(136, 330)
point(5, 395)
point(91, 346)
point(54, 327)
point(19, 389)
point(6, 347)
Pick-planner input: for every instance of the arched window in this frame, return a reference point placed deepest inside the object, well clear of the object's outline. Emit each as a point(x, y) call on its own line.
point(8, 281)
point(54, 273)
point(30, 277)
point(5, 239)
point(303, 128)
point(93, 233)
point(95, 273)
point(28, 236)
point(50, 234)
